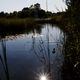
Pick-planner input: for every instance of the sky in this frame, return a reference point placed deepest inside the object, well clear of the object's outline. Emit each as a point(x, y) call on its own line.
point(17, 5)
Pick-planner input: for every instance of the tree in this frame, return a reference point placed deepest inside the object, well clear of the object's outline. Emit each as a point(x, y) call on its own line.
point(2, 14)
point(37, 6)
point(36, 10)
point(25, 12)
point(73, 8)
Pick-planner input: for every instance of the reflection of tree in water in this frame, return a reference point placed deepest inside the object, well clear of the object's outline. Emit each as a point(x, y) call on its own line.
point(41, 57)
point(27, 29)
point(4, 59)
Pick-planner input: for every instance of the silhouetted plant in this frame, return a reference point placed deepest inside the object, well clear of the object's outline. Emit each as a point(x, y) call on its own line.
point(71, 69)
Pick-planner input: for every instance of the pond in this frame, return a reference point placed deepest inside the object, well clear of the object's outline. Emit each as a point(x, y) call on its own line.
point(30, 54)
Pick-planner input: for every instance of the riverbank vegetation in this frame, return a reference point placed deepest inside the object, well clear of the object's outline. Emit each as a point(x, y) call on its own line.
point(33, 12)
point(28, 16)
point(71, 67)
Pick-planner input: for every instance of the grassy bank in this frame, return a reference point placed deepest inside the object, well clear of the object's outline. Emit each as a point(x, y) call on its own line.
point(16, 21)
point(15, 24)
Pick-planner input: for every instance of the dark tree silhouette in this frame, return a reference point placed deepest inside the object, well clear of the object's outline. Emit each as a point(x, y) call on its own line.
point(34, 11)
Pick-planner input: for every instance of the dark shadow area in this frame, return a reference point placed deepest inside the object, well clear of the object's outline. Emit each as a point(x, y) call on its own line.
point(15, 30)
point(71, 66)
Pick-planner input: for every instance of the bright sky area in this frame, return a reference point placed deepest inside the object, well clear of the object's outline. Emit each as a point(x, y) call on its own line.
point(17, 5)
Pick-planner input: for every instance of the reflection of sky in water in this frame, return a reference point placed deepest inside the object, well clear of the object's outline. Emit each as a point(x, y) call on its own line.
point(25, 52)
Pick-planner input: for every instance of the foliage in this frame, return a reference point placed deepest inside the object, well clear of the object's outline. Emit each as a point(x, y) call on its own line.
point(33, 11)
point(71, 67)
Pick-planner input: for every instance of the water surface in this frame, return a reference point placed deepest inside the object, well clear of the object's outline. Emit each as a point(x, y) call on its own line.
point(26, 55)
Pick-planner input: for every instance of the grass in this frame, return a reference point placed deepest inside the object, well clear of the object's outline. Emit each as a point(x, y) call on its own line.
point(16, 21)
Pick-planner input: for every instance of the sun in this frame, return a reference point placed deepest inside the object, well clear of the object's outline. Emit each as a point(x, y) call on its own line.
point(43, 77)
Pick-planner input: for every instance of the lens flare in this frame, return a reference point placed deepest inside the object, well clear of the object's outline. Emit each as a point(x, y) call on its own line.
point(43, 77)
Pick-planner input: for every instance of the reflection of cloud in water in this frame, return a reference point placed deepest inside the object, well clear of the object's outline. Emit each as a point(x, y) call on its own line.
point(22, 36)
point(18, 36)
point(38, 35)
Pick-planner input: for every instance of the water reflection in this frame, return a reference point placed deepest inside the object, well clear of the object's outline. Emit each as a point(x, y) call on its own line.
point(27, 30)
point(26, 55)
point(4, 59)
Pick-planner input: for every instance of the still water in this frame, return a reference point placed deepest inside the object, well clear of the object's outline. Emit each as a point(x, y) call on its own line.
point(27, 55)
